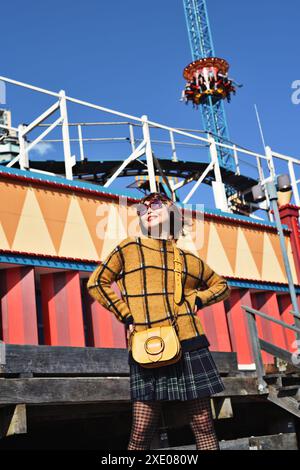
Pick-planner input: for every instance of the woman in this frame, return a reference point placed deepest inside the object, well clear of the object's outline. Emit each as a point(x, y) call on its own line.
point(143, 270)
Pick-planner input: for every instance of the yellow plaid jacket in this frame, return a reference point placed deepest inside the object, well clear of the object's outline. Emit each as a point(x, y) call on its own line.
point(143, 269)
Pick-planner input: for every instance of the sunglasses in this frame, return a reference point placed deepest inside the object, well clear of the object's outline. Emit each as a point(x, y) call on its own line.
point(143, 208)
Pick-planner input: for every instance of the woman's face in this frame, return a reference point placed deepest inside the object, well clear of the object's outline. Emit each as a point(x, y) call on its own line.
point(154, 218)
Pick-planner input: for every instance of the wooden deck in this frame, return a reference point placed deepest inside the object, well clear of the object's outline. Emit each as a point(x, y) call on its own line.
point(52, 375)
point(41, 385)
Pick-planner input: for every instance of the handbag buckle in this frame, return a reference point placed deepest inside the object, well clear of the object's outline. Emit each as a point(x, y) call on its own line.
point(178, 266)
point(151, 340)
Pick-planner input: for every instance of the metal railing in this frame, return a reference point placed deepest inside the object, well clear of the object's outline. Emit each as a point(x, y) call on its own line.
point(258, 344)
point(144, 145)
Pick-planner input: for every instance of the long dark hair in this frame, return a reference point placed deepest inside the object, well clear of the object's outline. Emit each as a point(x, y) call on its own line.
point(175, 216)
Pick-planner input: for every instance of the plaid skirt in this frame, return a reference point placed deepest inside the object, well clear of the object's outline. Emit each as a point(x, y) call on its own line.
point(194, 375)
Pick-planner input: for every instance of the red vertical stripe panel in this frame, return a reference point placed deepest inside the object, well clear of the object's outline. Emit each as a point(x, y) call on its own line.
point(104, 330)
point(238, 325)
point(285, 305)
point(267, 330)
point(18, 306)
point(62, 309)
point(213, 319)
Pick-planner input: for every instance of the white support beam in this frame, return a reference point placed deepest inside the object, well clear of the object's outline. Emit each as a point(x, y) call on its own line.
point(236, 159)
point(42, 117)
point(138, 152)
point(132, 139)
point(149, 158)
point(25, 149)
point(43, 134)
point(197, 184)
point(80, 142)
point(174, 155)
point(69, 159)
point(286, 157)
point(23, 155)
point(218, 185)
point(8, 128)
point(182, 183)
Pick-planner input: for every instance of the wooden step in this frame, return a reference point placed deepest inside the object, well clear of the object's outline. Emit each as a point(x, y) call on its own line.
point(290, 390)
point(282, 441)
point(290, 387)
point(63, 360)
point(288, 403)
point(284, 380)
point(64, 390)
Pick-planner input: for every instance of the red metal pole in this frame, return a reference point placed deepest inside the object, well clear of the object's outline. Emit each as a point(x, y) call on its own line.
point(289, 214)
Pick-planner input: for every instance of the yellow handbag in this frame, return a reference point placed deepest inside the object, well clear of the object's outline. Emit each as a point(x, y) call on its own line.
point(160, 346)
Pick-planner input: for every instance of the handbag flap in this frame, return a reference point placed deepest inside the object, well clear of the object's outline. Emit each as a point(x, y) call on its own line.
point(155, 344)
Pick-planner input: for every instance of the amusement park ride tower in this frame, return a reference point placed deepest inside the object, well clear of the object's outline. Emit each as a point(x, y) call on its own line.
point(207, 80)
point(208, 85)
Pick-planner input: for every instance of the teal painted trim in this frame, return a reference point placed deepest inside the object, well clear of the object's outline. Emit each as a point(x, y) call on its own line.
point(41, 177)
point(37, 262)
point(265, 286)
point(32, 261)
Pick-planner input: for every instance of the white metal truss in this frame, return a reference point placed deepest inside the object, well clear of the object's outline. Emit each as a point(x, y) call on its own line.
point(143, 146)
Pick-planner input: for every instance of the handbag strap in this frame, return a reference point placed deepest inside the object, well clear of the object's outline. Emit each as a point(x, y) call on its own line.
point(177, 280)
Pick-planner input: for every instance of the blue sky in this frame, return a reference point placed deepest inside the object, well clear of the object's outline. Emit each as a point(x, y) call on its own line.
point(129, 56)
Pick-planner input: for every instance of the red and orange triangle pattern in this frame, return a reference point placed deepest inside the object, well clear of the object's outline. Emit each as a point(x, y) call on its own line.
point(68, 224)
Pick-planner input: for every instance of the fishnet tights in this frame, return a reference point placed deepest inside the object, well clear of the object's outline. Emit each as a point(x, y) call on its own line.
point(201, 422)
point(146, 417)
point(144, 423)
